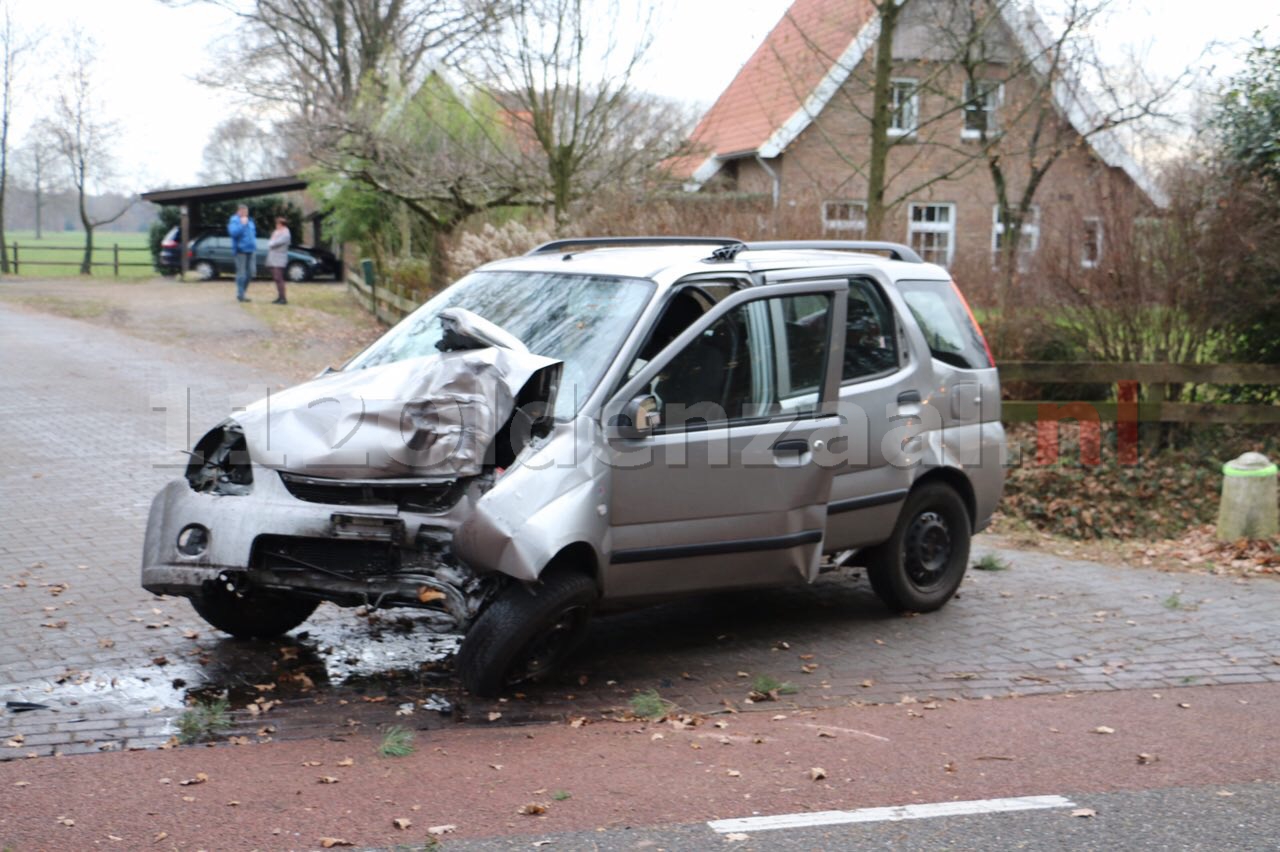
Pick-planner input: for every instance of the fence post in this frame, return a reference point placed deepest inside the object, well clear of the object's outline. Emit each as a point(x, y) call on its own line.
point(115, 259)
point(15, 257)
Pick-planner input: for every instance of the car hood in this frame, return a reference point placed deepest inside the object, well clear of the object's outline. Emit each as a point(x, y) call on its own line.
point(429, 417)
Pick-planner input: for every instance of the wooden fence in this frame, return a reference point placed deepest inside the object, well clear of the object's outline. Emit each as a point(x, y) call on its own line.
point(1127, 378)
point(387, 302)
point(16, 262)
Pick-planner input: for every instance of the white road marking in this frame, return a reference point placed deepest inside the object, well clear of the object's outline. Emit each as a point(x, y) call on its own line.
point(894, 814)
point(845, 731)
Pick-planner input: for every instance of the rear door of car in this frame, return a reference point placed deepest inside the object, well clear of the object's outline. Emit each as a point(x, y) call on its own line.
point(883, 388)
point(728, 491)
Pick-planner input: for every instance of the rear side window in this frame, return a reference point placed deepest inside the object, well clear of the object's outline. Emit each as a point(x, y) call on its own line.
point(870, 345)
point(953, 336)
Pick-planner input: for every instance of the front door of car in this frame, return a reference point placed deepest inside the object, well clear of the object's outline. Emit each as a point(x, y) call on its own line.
point(728, 490)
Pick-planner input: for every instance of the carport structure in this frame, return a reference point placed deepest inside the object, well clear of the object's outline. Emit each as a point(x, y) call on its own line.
point(189, 198)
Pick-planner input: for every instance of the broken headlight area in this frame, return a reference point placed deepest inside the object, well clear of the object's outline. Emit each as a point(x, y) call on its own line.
point(414, 496)
point(220, 462)
point(375, 572)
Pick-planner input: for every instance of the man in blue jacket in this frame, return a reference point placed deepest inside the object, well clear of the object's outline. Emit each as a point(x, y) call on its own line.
point(244, 242)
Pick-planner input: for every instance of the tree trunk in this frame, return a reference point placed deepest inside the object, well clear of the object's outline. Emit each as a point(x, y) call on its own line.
point(86, 265)
point(877, 168)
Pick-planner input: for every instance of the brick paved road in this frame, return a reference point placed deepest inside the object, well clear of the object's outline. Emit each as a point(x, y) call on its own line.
point(113, 665)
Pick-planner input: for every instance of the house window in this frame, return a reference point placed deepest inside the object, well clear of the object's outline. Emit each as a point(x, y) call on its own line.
point(847, 216)
point(1030, 238)
point(1091, 254)
point(931, 231)
point(904, 102)
point(980, 101)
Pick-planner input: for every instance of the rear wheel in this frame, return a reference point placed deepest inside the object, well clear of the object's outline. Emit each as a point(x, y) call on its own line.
point(205, 270)
point(256, 615)
point(296, 272)
point(526, 633)
point(921, 565)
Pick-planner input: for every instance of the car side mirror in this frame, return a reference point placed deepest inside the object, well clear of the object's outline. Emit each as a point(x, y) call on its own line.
point(639, 417)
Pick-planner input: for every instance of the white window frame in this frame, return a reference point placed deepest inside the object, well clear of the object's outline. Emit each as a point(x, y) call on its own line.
point(1098, 242)
point(991, 104)
point(924, 227)
point(1030, 229)
point(910, 108)
point(854, 227)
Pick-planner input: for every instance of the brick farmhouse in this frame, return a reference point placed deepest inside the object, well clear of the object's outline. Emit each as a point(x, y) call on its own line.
point(795, 125)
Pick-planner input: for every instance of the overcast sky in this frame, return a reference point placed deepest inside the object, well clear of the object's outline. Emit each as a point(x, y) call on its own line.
point(150, 54)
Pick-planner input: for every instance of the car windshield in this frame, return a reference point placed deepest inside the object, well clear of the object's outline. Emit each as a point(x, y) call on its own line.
point(581, 320)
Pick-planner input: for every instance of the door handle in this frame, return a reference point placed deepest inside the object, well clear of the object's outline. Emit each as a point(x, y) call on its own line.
point(909, 397)
point(793, 446)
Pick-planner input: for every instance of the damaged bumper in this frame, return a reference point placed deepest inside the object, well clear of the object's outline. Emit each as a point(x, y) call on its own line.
point(361, 549)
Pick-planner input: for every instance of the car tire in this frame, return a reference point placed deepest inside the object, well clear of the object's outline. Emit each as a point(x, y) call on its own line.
point(297, 272)
point(922, 564)
point(255, 615)
point(205, 270)
point(526, 633)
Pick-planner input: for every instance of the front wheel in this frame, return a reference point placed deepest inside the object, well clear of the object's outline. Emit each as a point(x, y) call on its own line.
point(259, 615)
point(921, 565)
point(526, 633)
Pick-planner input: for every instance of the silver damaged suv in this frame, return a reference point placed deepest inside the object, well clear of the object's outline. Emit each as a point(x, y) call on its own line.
point(604, 422)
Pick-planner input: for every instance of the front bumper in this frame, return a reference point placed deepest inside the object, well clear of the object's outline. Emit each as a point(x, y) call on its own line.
point(351, 555)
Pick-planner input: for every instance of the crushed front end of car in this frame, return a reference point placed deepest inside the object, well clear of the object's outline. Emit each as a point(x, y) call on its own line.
point(350, 488)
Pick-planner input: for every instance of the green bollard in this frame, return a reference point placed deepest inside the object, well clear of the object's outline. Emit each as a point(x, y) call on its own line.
point(1248, 507)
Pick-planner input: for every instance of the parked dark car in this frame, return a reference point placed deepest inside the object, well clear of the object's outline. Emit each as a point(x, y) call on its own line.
point(209, 255)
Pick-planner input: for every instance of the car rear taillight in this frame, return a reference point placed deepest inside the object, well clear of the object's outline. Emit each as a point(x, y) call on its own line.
point(191, 253)
point(990, 358)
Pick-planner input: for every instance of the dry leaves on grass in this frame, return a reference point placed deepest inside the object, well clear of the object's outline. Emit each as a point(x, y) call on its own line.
point(330, 842)
point(532, 809)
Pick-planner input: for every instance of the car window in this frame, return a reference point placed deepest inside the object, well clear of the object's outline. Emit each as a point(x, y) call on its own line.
point(949, 329)
point(757, 361)
point(581, 320)
point(871, 342)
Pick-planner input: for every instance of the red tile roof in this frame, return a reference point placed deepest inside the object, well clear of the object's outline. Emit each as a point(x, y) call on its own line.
point(785, 69)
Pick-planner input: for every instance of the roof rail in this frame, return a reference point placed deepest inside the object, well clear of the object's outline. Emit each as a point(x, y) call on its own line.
point(599, 242)
point(896, 251)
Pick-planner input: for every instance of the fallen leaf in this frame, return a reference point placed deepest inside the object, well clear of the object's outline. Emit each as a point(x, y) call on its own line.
point(310, 763)
point(494, 715)
point(578, 722)
point(401, 823)
point(827, 734)
point(327, 779)
point(437, 830)
point(350, 761)
point(1103, 729)
point(817, 773)
point(736, 837)
point(531, 809)
point(1185, 706)
point(330, 842)
point(233, 804)
point(733, 773)
point(1225, 793)
point(160, 835)
point(200, 778)
point(1084, 812)
point(67, 821)
point(426, 594)
point(1144, 758)
point(22, 783)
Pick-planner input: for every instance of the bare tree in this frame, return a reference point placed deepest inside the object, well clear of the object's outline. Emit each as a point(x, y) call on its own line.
point(320, 57)
point(14, 46)
point(560, 73)
point(83, 137)
point(443, 157)
point(37, 162)
point(239, 150)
